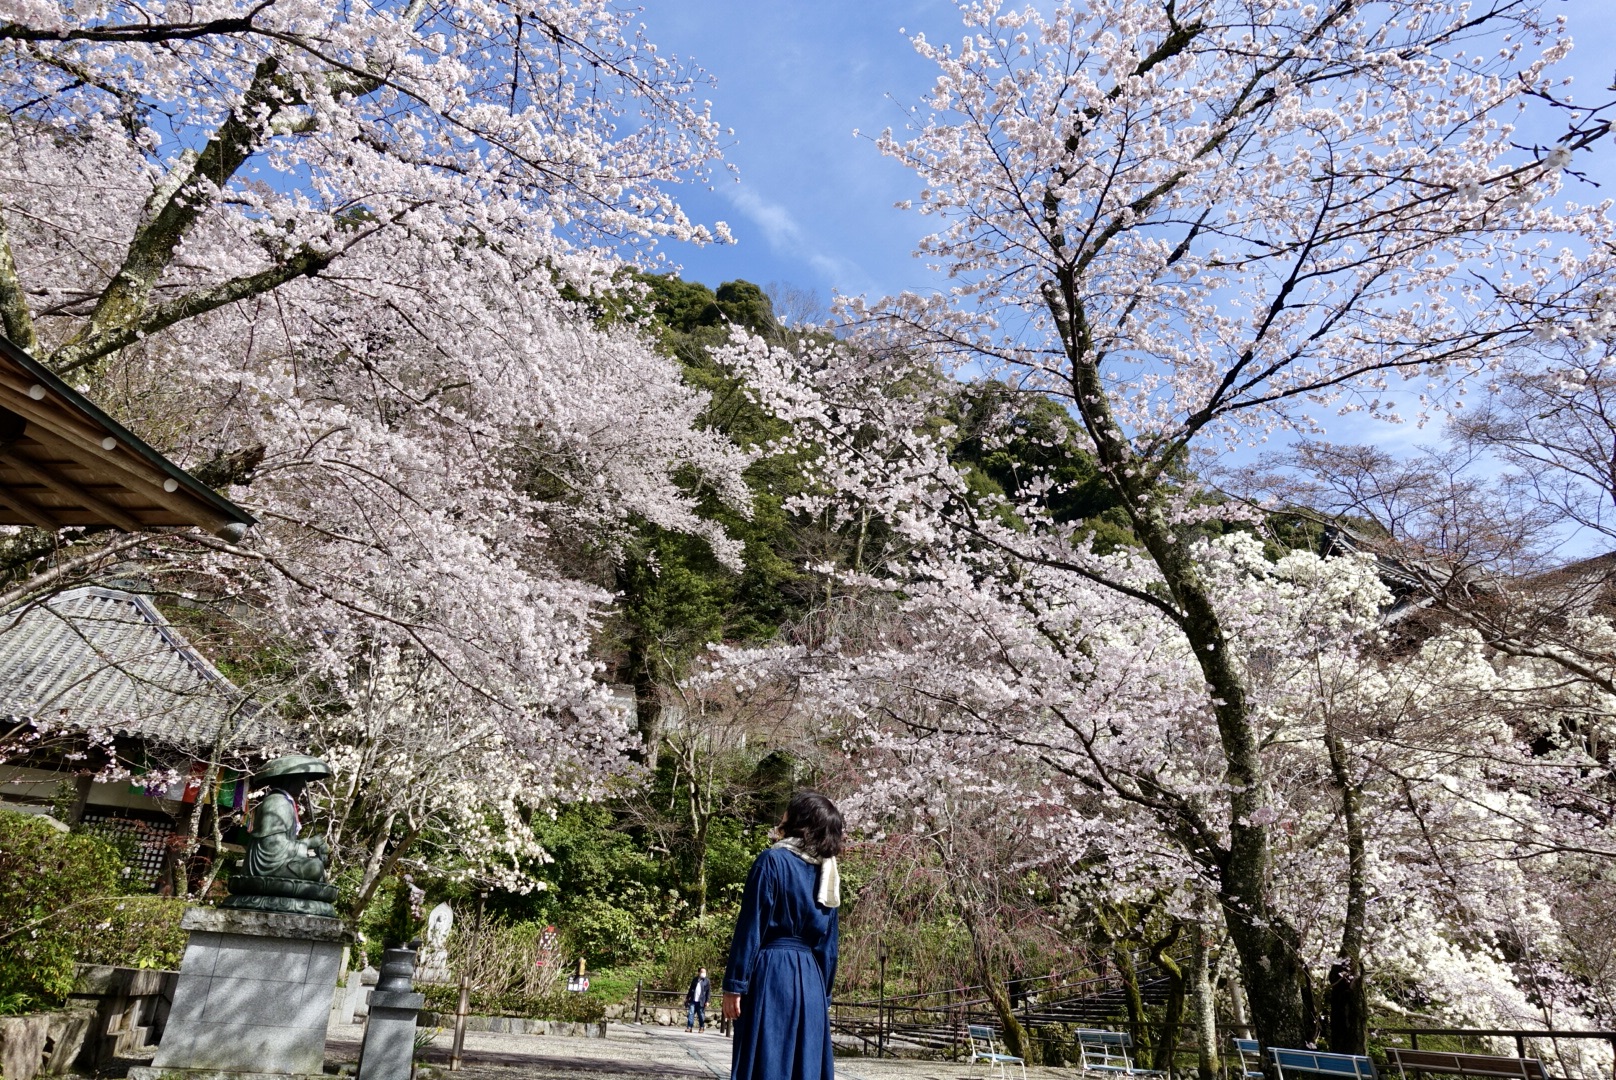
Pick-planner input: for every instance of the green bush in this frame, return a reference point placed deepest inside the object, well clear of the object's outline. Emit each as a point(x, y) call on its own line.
point(135, 931)
point(605, 933)
point(688, 953)
point(51, 885)
point(62, 904)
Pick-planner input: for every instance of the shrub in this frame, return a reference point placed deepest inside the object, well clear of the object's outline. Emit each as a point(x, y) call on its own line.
point(607, 934)
point(50, 885)
point(505, 958)
point(688, 953)
point(62, 904)
point(135, 931)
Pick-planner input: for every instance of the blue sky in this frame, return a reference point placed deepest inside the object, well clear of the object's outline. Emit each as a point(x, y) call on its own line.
point(814, 206)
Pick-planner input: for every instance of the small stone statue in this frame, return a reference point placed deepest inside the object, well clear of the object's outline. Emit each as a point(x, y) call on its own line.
point(433, 963)
point(282, 871)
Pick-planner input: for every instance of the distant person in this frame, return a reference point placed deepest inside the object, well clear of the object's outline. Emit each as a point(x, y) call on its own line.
point(696, 998)
point(783, 958)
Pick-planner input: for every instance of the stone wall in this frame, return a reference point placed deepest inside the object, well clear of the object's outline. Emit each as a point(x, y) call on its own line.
point(131, 1009)
point(42, 1044)
point(515, 1025)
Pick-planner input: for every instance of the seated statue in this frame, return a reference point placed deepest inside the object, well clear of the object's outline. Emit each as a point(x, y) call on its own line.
point(283, 871)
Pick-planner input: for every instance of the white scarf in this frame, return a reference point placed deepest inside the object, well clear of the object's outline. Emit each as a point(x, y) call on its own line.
point(829, 893)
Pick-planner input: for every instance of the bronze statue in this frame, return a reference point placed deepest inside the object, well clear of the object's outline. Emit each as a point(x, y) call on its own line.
point(283, 871)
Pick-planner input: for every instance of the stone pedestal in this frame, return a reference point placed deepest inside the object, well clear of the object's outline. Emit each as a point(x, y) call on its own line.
point(388, 1052)
point(361, 996)
point(254, 995)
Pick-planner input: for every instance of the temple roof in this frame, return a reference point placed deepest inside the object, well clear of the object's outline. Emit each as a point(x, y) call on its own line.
point(101, 658)
point(65, 462)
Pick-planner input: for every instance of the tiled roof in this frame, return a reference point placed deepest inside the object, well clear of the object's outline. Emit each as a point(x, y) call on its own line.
point(102, 658)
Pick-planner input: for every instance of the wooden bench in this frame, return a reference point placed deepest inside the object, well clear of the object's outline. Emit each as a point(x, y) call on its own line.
point(1465, 1065)
point(1321, 1064)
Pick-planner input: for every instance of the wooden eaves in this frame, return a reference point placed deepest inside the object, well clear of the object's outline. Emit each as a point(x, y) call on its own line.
point(64, 462)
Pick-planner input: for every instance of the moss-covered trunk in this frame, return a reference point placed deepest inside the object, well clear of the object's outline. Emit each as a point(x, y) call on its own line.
point(1128, 974)
point(1144, 485)
point(1207, 1065)
point(1173, 1013)
point(1015, 1036)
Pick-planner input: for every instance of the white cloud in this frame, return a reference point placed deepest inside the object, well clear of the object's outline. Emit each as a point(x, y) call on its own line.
point(786, 237)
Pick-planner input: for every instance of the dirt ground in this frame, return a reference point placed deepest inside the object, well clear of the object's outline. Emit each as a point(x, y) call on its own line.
point(636, 1053)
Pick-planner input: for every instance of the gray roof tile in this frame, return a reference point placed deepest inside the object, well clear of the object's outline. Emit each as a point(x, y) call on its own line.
point(102, 658)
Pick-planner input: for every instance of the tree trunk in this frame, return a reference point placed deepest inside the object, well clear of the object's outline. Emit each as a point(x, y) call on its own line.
point(381, 865)
point(217, 827)
point(1206, 1007)
point(1015, 1038)
point(1348, 988)
point(1267, 945)
point(1138, 1030)
point(702, 820)
point(1237, 1005)
point(1173, 1014)
point(186, 847)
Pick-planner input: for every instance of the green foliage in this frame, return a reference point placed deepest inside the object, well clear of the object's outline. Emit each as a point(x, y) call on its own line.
point(387, 919)
point(685, 307)
point(594, 857)
point(617, 984)
point(614, 931)
point(405, 917)
point(705, 946)
point(603, 889)
point(138, 931)
point(1043, 441)
point(372, 922)
point(732, 844)
point(676, 597)
point(51, 886)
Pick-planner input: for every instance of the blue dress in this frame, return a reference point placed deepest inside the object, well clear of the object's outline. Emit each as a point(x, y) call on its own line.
point(781, 962)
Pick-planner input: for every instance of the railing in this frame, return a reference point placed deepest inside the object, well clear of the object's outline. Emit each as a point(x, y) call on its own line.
point(641, 994)
point(1520, 1035)
point(937, 1019)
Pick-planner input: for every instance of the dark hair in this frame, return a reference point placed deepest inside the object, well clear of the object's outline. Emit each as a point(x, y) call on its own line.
point(815, 821)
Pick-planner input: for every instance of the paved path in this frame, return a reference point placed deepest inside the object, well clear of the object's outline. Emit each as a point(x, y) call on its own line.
point(637, 1053)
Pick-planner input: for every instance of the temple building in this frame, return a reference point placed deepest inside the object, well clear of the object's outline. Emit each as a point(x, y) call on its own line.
point(114, 723)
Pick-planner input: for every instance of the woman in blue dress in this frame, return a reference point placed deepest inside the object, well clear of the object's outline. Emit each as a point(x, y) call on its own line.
point(783, 957)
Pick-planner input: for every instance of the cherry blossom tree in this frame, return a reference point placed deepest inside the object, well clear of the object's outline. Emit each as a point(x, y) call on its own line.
point(346, 263)
point(254, 144)
point(1195, 225)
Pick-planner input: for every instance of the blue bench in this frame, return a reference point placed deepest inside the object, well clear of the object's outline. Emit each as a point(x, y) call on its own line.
point(1249, 1051)
point(1319, 1064)
point(990, 1052)
point(1108, 1052)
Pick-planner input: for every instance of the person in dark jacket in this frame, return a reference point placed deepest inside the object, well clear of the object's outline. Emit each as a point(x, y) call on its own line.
point(696, 998)
point(782, 960)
